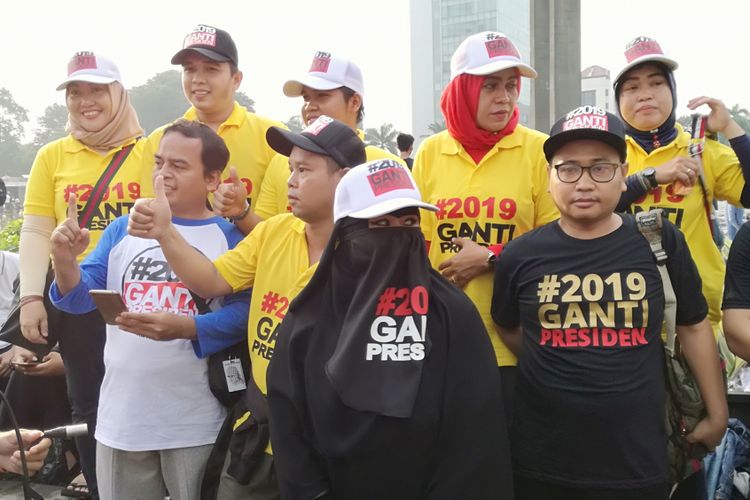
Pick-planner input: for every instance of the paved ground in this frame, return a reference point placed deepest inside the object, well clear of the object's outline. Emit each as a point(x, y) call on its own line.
point(12, 490)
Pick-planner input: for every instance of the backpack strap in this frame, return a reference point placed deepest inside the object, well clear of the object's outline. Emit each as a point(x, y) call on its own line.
point(695, 150)
point(650, 226)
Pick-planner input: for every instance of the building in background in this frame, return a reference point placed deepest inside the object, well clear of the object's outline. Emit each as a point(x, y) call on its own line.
point(596, 88)
point(546, 32)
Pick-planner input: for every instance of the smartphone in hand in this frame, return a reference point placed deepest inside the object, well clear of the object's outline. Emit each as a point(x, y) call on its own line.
point(26, 364)
point(109, 303)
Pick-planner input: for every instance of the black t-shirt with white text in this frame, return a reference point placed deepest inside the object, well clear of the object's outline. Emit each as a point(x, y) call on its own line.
point(589, 407)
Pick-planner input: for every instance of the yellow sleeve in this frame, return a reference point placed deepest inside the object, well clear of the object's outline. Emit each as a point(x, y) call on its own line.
point(545, 209)
point(147, 158)
point(272, 199)
point(269, 152)
point(725, 168)
point(238, 265)
point(40, 190)
point(419, 172)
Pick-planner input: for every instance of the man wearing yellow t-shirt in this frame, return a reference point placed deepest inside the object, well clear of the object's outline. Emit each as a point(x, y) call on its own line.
point(210, 78)
point(277, 260)
point(333, 86)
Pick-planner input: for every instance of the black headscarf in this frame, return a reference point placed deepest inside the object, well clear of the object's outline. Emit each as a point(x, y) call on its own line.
point(360, 266)
point(348, 419)
point(664, 133)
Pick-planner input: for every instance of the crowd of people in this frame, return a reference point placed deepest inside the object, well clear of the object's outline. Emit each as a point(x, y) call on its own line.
point(481, 322)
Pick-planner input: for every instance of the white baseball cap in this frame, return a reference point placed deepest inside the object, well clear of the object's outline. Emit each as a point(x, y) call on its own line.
point(644, 49)
point(327, 72)
point(486, 53)
point(376, 188)
point(88, 67)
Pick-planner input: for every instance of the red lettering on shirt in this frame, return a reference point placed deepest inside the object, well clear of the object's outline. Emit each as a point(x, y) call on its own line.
point(592, 337)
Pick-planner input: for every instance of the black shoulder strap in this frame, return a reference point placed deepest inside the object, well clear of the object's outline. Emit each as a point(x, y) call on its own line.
point(200, 303)
point(102, 185)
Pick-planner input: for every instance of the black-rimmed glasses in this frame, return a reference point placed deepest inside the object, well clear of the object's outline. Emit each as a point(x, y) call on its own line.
point(600, 172)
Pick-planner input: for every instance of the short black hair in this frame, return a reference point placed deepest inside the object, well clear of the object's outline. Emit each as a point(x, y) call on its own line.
point(214, 152)
point(348, 94)
point(404, 141)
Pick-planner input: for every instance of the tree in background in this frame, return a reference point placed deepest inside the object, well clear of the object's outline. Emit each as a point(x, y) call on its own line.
point(13, 118)
point(10, 234)
point(383, 137)
point(294, 123)
point(160, 100)
point(15, 157)
point(245, 100)
point(437, 127)
point(51, 125)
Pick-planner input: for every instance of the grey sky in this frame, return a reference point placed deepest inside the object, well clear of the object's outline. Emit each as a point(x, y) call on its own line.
point(277, 39)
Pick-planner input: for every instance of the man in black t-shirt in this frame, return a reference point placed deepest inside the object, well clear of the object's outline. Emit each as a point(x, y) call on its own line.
point(580, 301)
point(736, 305)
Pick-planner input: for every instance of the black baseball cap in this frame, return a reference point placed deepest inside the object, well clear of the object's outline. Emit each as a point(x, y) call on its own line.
point(210, 42)
point(587, 122)
point(324, 136)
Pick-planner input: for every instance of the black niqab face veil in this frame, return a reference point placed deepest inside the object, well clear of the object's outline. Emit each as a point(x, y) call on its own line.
point(379, 311)
point(370, 298)
point(383, 376)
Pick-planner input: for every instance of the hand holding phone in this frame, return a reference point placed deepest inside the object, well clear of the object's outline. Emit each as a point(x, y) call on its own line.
point(109, 303)
point(25, 364)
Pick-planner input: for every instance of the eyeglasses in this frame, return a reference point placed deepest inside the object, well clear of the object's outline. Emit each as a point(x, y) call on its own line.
point(599, 172)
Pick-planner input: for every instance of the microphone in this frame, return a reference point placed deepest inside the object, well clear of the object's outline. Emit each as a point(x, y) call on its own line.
point(68, 431)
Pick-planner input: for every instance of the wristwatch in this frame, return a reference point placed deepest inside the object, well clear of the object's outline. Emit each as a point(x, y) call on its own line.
point(649, 175)
point(242, 214)
point(491, 259)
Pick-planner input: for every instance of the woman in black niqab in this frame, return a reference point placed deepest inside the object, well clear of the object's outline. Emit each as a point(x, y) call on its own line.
point(384, 383)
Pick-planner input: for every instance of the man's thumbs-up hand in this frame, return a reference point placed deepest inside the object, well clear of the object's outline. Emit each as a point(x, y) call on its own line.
point(151, 217)
point(230, 196)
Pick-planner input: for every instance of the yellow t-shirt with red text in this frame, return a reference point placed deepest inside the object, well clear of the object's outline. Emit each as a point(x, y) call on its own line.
point(724, 181)
point(67, 166)
point(244, 133)
point(499, 199)
point(274, 260)
point(273, 193)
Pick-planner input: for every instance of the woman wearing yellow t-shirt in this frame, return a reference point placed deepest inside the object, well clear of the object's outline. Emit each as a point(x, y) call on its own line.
point(104, 167)
point(664, 174)
point(486, 174)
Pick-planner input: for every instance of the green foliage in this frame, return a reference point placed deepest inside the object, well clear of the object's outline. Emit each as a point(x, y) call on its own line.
point(16, 158)
point(10, 235)
point(436, 127)
point(244, 100)
point(383, 137)
point(160, 100)
point(13, 118)
point(51, 125)
point(294, 124)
